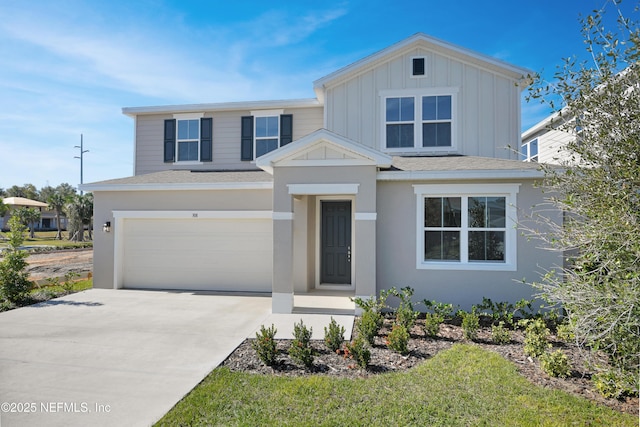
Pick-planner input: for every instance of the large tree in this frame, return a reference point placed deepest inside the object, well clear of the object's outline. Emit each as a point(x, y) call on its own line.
point(28, 191)
point(80, 212)
point(599, 191)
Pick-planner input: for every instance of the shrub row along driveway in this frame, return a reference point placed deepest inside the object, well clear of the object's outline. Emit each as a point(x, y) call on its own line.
point(105, 357)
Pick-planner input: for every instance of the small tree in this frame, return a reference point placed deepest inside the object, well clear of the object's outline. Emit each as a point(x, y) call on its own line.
point(598, 190)
point(28, 217)
point(14, 279)
point(80, 213)
point(57, 202)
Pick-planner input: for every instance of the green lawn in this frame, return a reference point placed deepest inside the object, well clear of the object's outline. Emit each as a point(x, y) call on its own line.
point(463, 386)
point(47, 238)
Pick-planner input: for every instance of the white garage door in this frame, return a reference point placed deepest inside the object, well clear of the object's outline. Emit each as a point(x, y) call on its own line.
point(199, 254)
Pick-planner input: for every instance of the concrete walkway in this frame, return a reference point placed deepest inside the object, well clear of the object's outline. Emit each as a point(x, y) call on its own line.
point(112, 358)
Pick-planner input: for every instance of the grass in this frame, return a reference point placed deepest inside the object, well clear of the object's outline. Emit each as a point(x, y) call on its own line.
point(77, 286)
point(465, 385)
point(47, 238)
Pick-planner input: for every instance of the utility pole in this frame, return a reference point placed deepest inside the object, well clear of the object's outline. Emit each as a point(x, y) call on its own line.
point(81, 157)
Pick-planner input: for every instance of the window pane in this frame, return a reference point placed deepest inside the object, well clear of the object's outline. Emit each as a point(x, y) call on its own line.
point(524, 150)
point(444, 108)
point(429, 108)
point(263, 146)
point(436, 134)
point(442, 245)
point(451, 211)
point(194, 129)
point(486, 245)
point(477, 212)
point(187, 151)
point(533, 148)
point(433, 212)
point(393, 109)
point(496, 216)
point(266, 127)
point(399, 136)
point(406, 109)
point(188, 129)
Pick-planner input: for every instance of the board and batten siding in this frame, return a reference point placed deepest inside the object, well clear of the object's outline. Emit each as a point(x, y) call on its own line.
point(488, 103)
point(226, 139)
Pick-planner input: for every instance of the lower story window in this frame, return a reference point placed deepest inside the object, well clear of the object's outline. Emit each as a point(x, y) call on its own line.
point(470, 230)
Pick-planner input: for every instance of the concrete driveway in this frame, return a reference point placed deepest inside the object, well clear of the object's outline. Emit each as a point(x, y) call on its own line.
point(114, 358)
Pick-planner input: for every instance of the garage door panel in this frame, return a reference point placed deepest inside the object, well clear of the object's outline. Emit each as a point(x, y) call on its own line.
point(202, 254)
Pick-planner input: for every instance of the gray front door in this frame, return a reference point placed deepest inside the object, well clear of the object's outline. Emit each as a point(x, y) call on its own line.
point(335, 242)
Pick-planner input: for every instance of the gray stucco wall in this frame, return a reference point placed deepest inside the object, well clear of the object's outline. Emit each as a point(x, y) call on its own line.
point(396, 255)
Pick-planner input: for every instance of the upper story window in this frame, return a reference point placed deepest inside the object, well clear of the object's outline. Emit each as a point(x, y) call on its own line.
point(418, 66)
point(529, 151)
point(263, 132)
point(418, 123)
point(267, 135)
point(188, 138)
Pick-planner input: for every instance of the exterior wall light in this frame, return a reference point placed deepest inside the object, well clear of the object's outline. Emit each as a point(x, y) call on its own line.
point(106, 227)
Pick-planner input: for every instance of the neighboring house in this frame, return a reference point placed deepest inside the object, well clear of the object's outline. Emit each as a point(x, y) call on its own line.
point(398, 174)
point(47, 217)
point(544, 142)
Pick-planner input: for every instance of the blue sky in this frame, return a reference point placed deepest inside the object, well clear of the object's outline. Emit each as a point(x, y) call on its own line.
point(67, 67)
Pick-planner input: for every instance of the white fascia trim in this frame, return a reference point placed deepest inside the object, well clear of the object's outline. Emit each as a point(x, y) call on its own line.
point(192, 214)
point(179, 186)
point(223, 106)
point(458, 175)
point(322, 189)
point(365, 216)
point(284, 216)
point(327, 162)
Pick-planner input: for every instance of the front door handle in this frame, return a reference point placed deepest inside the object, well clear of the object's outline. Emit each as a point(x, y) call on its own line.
point(349, 253)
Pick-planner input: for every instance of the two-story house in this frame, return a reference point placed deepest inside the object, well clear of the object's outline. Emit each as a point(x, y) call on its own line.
point(398, 173)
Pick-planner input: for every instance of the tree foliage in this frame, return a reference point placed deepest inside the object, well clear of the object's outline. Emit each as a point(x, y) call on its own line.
point(598, 189)
point(80, 212)
point(28, 217)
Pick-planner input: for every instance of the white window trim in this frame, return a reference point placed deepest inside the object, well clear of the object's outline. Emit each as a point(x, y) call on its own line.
point(264, 113)
point(426, 63)
point(529, 157)
point(417, 94)
point(509, 191)
point(188, 116)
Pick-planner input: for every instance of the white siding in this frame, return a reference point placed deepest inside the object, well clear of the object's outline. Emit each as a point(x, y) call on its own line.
point(226, 139)
point(488, 103)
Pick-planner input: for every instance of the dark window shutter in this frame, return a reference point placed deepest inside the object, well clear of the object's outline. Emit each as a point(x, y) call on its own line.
point(286, 129)
point(169, 140)
point(206, 138)
point(246, 138)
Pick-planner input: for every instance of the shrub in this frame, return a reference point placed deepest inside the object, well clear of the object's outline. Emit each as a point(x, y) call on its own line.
point(265, 345)
point(500, 334)
point(358, 351)
point(504, 311)
point(555, 364)
point(535, 337)
point(334, 335)
point(432, 323)
point(439, 308)
point(300, 349)
point(405, 314)
point(398, 339)
point(368, 325)
point(564, 332)
point(614, 384)
point(14, 279)
point(470, 325)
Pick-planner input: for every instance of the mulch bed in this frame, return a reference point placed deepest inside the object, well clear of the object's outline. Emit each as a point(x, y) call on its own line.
point(244, 359)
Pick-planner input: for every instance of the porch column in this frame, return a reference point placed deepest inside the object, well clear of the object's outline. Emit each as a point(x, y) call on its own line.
point(282, 288)
point(365, 254)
